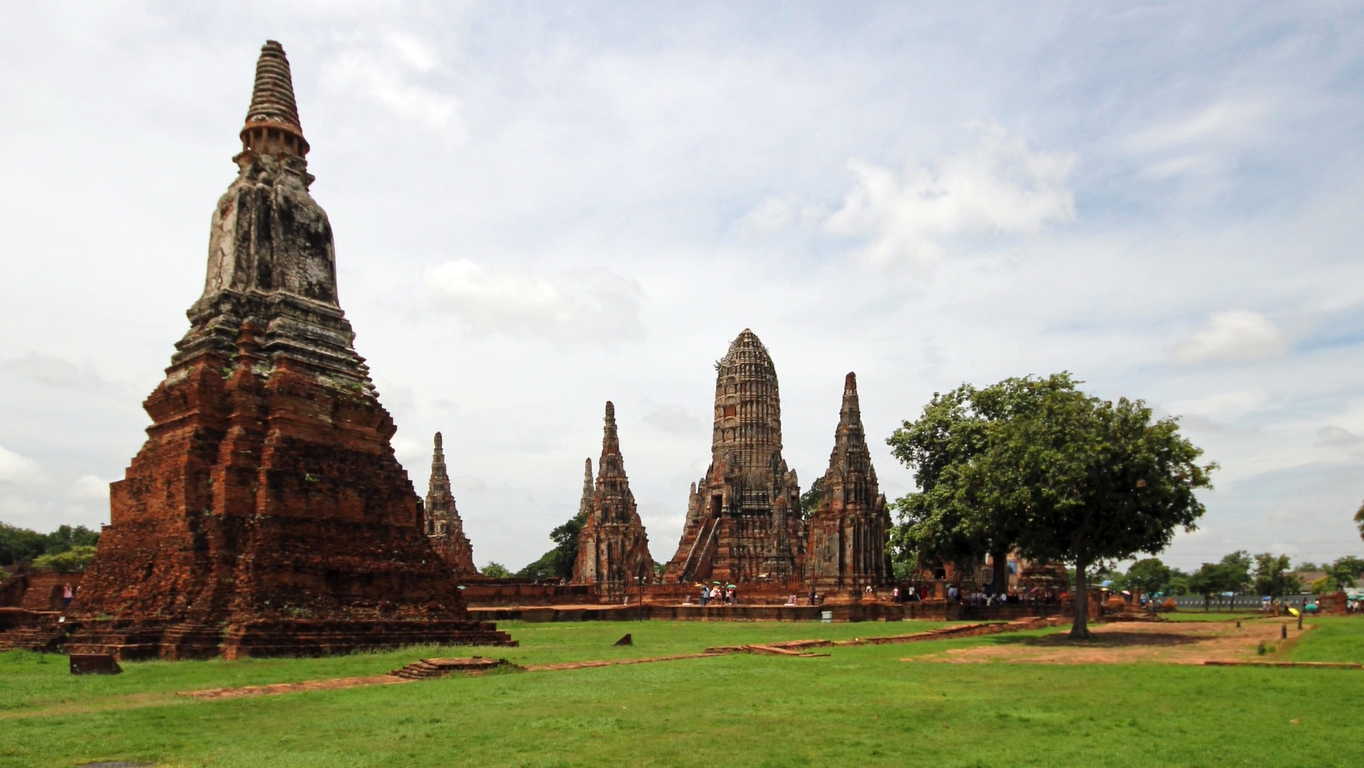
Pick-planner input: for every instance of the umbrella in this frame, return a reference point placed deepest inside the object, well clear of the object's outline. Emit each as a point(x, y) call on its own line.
point(732, 586)
point(1293, 611)
point(698, 584)
point(1125, 592)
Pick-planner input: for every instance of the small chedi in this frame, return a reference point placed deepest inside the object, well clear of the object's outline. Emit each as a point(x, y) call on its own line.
point(613, 549)
point(743, 517)
point(266, 513)
point(850, 527)
point(444, 527)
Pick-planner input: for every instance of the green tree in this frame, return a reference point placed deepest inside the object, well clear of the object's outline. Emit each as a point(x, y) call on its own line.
point(1149, 575)
point(1207, 581)
point(1359, 520)
point(1236, 573)
point(21, 545)
point(809, 501)
point(558, 562)
point(957, 515)
point(69, 561)
point(495, 570)
point(1179, 584)
point(1090, 481)
point(1231, 574)
point(1343, 573)
point(1274, 576)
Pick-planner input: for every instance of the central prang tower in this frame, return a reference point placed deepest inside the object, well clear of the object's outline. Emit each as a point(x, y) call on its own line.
point(743, 517)
point(266, 514)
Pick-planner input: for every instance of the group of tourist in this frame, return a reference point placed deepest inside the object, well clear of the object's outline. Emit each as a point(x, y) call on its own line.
point(727, 596)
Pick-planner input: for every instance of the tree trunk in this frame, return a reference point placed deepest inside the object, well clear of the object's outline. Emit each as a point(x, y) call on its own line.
point(1000, 559)
point(1080, 628)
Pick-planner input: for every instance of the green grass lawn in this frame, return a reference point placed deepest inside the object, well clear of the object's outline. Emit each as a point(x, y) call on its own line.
point(861, 706)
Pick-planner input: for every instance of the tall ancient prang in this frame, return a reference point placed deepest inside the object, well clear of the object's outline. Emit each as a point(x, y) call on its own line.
point(266, 513)
point(613, 549)
point(743, 517)
point(444, 527)
point(851, 527)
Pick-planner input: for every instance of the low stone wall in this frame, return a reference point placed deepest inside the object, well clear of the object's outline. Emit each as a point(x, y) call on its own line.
point(840, 613)
point(521, 593)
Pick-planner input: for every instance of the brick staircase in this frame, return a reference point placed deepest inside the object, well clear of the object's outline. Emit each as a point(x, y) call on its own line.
point(46, 636)
point(426, 669)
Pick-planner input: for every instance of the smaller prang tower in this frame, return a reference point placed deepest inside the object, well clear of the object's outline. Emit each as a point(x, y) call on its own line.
point(613, 548)
point(444, 527)
point(743, 517)
point(851, 527)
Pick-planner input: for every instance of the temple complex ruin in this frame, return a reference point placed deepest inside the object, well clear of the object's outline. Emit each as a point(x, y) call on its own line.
point(266, 513)
point(613, 548)
point(851, 526)
point(444, 527)
point(743, 517)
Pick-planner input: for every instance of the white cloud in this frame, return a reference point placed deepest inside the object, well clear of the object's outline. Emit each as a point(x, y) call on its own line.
point(1203, 143)
point(1233, 336)
point(1000, 185)
point(18, 470)
point(1215, 124)
point(53, 371)
point(90, 488)
point(589, 306)
point(772, 213)
point(1334, 437)
point(672, 418)
point(1223, 405)
point(387, 75)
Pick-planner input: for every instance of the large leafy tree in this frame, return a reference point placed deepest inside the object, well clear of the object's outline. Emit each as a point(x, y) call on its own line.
point(1065, 476)
point(957, 516)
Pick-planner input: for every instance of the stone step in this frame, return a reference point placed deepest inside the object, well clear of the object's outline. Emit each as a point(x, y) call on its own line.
point(429, 668)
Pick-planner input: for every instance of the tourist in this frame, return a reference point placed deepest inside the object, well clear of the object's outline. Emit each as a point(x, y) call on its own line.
point(67, 594)
point(913, 596)
point(895, 595)
point(705, 596)
point(812, 595)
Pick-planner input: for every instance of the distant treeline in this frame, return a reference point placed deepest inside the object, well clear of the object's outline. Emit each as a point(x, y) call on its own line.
point(21, 545)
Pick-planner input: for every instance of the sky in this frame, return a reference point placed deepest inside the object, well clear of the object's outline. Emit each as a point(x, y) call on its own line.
point(539, 207)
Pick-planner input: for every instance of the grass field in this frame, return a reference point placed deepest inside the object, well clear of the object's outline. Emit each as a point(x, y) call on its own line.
point(861, 706)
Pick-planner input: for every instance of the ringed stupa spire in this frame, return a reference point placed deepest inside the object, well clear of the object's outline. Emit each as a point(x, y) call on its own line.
point(272, 124)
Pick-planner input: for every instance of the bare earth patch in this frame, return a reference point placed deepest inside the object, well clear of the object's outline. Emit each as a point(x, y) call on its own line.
point(1129, 642)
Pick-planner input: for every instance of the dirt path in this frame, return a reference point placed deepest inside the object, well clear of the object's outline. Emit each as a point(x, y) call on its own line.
point(1128, 642)
point(307, 685)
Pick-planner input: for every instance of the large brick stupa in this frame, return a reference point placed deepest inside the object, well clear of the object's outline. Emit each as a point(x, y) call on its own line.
point(267, 514)
point(743, 517)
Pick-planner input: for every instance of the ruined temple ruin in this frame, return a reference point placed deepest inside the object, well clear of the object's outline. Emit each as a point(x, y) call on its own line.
point(444, 527)
point(743, 518)
point(266, 513)
point(613, 549)
point(850, 529)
